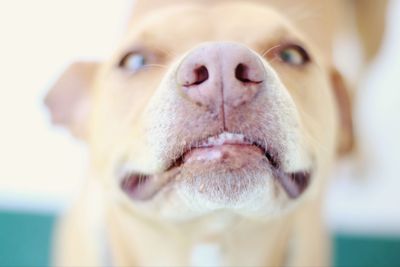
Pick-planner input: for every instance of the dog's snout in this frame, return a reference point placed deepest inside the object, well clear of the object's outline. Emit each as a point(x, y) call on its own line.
point(220, 73)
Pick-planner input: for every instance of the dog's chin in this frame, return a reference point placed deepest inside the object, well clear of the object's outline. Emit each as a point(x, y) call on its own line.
point(223, 176)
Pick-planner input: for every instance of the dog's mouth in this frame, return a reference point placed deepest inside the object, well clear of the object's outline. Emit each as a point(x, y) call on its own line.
point(229, 150)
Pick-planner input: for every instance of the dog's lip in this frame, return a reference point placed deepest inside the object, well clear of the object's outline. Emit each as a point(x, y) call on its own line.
point(212, 145)
point(144, 187)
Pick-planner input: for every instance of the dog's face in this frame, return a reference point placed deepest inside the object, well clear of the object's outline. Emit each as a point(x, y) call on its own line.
point(206, 108)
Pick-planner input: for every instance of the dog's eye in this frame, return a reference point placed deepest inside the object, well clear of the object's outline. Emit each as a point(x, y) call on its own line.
point(294, 55)
point(133, 62)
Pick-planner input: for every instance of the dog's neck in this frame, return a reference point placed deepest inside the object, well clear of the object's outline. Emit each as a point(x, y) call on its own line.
point(205, 243)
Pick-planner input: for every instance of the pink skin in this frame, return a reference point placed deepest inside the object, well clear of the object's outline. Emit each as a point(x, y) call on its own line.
point(224, 74)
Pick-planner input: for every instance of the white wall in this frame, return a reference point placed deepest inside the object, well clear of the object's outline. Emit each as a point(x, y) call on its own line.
point(38, 40)
point(366, 198)
point(41, 168)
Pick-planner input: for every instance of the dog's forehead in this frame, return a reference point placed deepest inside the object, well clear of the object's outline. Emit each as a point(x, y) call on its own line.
point(315, 19)
point(189, 24)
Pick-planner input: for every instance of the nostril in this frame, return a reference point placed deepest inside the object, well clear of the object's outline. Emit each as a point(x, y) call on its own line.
point(189, 76)
point(201, 74)
point(243, 75)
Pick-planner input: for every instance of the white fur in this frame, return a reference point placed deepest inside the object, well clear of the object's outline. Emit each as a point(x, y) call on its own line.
point(206, 254)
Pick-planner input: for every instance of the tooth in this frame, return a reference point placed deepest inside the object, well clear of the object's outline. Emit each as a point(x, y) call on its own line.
point(209, 141)
point(219, 141)
point(224, 137)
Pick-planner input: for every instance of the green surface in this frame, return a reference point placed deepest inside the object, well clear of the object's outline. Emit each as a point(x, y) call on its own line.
point(374, 251)
point(25, 240)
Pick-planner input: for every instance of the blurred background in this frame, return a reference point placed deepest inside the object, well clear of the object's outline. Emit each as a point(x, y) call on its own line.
point(42, 168)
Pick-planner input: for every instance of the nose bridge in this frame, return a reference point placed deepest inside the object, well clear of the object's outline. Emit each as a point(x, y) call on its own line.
point(220, 74)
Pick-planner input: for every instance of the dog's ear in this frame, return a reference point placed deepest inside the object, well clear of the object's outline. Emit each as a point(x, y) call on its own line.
point(69, 98)
point(346, 142)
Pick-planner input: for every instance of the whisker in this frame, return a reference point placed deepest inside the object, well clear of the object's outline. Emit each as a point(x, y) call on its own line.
point(270, 49)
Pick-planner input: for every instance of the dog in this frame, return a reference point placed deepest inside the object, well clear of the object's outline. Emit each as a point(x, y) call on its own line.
point(211, 130)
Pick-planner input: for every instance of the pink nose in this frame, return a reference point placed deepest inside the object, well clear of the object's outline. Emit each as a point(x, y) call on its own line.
point(221, 73)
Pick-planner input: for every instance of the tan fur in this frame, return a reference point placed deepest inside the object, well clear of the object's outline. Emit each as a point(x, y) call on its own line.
point(138, 121)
